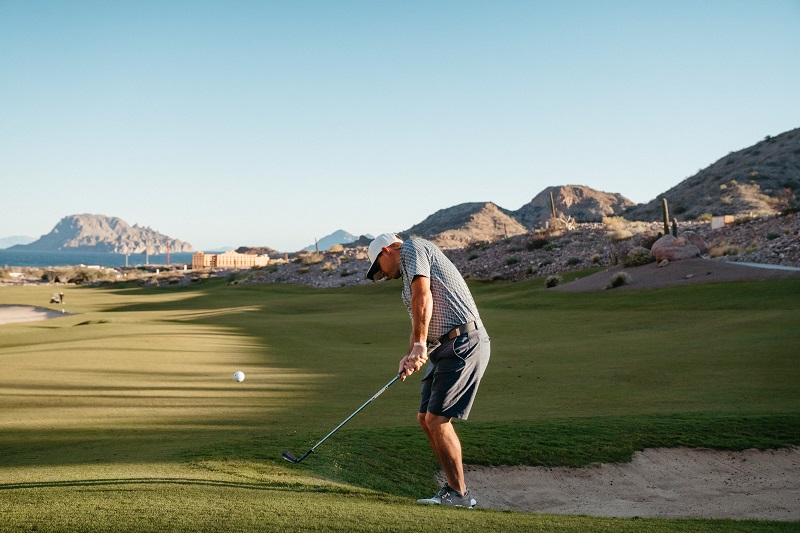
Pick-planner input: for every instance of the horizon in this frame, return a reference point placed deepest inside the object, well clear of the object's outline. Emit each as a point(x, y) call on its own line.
point(282, 123)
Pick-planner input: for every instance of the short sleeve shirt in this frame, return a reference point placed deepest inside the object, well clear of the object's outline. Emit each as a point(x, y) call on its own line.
point(453, 304)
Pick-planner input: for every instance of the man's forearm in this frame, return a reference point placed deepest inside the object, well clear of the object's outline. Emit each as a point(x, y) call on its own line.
point(421, 309)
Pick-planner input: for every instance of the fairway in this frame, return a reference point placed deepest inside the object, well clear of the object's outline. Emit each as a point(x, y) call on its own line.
point(124, 414)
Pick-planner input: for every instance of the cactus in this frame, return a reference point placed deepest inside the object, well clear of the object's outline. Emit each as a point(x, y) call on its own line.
point(552, 206)
point(666, 215)
point(675, 227)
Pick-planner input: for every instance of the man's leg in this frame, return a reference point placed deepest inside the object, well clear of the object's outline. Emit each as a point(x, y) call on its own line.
point(446, 447)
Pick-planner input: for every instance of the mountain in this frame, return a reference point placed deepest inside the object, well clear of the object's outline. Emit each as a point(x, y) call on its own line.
point(99, 233)
point(762, 179)
point(337, 237)
point(584, 204)
point(7, 242)
point(463, 224)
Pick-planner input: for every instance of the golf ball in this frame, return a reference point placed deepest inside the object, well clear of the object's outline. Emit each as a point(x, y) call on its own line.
point(239, 376)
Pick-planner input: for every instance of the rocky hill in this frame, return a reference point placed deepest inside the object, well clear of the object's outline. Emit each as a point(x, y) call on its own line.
point(583, 204)
point(463, 224)
point(99, 233)
point(760, 180)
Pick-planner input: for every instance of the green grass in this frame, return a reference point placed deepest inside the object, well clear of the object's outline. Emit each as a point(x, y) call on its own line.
point(125, 416)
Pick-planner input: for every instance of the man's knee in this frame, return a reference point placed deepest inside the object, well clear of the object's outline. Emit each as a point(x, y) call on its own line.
point(433, 421)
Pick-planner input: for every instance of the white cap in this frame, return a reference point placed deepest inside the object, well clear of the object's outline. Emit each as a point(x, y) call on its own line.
point(376, 247)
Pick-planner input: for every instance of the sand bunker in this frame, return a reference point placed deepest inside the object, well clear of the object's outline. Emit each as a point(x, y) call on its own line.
point(663, 482)
point(26, 313)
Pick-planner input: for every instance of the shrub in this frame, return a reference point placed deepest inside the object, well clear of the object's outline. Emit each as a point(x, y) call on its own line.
point(336, 249)
point(638, 256)
point(596, 259)
point(537, 243)
point(722, 250)
point(312, 258)
point(619, 279)
point(549, 247)
point(620, 235)
point(473, 257)
point(772, 236)
point(553, 281)
point(512, 261)
point(572, 261)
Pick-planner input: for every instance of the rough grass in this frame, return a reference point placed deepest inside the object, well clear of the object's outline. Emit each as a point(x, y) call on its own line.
point(125, 416)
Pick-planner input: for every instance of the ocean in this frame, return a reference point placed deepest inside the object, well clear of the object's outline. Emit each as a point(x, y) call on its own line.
point(51, 259)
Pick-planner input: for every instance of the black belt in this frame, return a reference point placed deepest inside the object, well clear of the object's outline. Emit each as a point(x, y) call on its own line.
point(460, 330)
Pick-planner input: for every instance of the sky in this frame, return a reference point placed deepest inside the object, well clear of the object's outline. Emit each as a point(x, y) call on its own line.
point(274, 123)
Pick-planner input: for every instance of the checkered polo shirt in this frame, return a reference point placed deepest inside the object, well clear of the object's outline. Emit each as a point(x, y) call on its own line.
point(452, 302)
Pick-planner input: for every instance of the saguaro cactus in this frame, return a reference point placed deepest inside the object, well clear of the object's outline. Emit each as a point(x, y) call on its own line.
point(666, 215)
point(552, 206)
point(675, 227)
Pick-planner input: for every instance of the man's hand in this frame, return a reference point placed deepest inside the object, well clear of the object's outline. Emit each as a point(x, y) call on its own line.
point(413, 361)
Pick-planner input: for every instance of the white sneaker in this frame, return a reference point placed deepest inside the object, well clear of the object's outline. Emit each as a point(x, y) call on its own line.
point(448, 496)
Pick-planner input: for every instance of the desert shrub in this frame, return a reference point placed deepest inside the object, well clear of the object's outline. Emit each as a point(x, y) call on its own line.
point(328, 266)
point(311, 258)
point(772, 236)
point(512, 261)
point(545, 263)
point(537, 243)
point(723, 250)
point(473, 257)
point(514, 249)
point(705, 217)
point(638, 256)
point(5, 273)
point(549, 247)
point(596, 259)
point(572, 261)
point(553, 281)
point(619, 279)
point(304, 270)
point(614, 222)
point(336, 249)
point(620, 234)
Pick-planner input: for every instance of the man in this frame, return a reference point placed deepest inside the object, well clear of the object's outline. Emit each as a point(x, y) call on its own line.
point(445, 319)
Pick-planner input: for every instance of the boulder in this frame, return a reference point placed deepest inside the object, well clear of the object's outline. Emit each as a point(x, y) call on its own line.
point(697, 240)
point(674, 249)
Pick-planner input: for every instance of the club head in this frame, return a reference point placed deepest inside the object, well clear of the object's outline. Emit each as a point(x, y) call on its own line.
point(288, 456)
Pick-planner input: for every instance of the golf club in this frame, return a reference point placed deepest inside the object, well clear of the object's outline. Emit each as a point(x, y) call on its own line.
point(289, 456)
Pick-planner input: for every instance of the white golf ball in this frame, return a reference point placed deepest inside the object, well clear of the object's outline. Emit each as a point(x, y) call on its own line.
point(239, 376)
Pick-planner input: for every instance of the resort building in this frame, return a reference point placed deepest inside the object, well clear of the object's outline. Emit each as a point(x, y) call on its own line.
point(231, 259)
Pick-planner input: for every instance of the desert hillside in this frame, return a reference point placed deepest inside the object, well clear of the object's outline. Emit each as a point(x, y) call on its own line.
point(762, 179)
point(99, 233)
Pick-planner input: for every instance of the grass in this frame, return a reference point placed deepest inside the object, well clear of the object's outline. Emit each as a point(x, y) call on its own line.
point(125, 416)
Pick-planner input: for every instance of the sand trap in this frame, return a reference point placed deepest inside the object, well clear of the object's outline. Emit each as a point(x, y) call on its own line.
point(662, 482)
point(26, 313)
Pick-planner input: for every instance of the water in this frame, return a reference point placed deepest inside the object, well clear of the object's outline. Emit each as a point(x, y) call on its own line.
point(32, 258)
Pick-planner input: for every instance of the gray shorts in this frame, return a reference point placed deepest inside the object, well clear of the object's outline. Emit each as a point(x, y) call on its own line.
point(454, 372)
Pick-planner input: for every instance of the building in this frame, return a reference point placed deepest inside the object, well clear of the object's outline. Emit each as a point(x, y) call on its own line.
point(719, 221)
point(201, 260)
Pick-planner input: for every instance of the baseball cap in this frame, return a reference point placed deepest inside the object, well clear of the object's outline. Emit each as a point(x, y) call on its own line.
point(376, 246)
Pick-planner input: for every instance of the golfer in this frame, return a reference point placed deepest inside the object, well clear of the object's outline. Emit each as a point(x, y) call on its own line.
point(444, 320)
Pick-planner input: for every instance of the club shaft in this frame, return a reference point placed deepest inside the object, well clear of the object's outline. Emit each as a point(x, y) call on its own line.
point(346, 420)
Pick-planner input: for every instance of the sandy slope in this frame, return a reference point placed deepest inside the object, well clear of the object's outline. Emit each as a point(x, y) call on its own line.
point(25, 313)
point(668, 483)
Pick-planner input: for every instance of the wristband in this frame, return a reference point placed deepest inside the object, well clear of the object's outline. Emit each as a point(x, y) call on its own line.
point(421, 344)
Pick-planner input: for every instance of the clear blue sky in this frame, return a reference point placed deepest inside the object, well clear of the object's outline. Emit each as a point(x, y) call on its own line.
point(277, 122)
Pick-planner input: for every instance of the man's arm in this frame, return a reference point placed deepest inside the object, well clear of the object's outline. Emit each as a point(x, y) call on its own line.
point(421, 311)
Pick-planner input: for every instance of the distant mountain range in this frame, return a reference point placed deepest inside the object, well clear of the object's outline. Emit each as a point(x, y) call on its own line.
point(99, 233)
point(762, 179)
point(7, 242)
point(337, 237)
